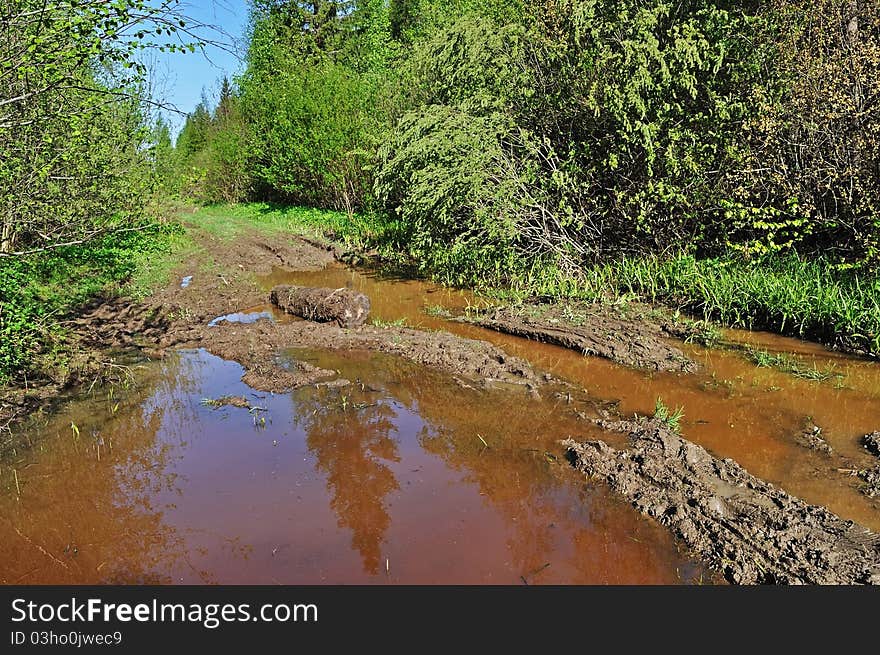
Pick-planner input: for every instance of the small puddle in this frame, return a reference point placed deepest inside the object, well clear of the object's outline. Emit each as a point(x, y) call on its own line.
point(261, 312)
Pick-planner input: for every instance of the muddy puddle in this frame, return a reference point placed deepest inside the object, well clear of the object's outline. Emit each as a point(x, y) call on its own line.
point(267, 312)
point(731, 407)
point(403, 476)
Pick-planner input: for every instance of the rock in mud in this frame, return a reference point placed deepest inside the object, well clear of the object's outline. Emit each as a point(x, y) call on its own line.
point(228, 401)
point(871, 481)
point(751, 531)
point(871, 442)
point(345, 307)
point(593, 332)
point(811, 438)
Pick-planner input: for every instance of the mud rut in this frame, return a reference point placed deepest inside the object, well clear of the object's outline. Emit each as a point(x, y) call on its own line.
point(740, 526)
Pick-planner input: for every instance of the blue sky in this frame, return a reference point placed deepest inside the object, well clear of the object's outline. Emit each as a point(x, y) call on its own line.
point(179, 79)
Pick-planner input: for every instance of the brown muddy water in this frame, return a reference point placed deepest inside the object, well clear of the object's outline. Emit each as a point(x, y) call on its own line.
point(403, 476)
point(732, 407)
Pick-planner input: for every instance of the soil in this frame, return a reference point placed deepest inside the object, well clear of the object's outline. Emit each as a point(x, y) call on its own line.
point(344, 307)
point(871, 481)
point(811, 438)
point(223, 280)
point(593, 329)
point(256, 347)
point(744, 527)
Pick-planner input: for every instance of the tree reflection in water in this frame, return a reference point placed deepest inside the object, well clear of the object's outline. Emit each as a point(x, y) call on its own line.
point(353, 441)
point(84, 518)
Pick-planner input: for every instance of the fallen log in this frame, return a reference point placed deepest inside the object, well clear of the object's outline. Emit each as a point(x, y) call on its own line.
point(345, 307)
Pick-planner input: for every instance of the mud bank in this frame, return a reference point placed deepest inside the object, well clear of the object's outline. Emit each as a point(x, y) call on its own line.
point(220, 280)
point(870, 477)
point(221, 277)
point(592, 330)
point(256, 348)
point(744, 527)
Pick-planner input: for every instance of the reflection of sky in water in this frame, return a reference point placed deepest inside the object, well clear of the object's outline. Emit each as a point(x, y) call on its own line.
point(241, 317)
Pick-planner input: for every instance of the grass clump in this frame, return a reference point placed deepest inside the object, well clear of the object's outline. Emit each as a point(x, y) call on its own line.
point(782, 293)
point(789, 364)
point(378, 322)
point(671, 418)
point(438, 311)
point(786, 294)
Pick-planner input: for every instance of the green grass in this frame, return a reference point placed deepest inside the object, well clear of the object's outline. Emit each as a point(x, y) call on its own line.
point(38, 292)
point(783, 294)
point(438, 311)
point(378, 322)
point(672, 418)
point(152, 266)
point(789, 364)
point(229, 221)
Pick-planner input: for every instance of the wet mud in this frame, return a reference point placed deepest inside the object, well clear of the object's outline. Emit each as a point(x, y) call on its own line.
point(256, 347)
point(592, 330)
point(811, 438)
point(870, 476)
point(744, 527)
point(365, 412)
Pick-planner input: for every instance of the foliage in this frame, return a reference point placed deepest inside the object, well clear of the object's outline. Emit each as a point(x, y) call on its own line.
point(672, 418)
point(39, 289)
point(720, 155)
point(80, 160)
point(565, 132)
point(618, 116)
point(443, 175)
point(72, 117)
point(309, 133)
point(810, 175)
point(211, 161)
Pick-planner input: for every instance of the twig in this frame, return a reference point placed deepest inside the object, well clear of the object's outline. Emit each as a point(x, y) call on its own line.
point(39, 548)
